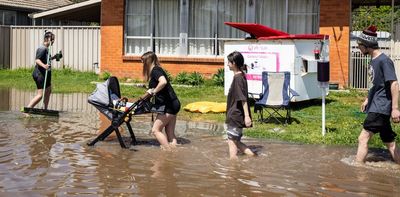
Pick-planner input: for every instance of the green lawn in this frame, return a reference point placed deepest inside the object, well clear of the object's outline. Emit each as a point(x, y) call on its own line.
point(343, 120)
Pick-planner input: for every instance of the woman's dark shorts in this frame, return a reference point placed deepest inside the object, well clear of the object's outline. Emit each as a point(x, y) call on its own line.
point(173, 107)
point(380, 123)
point(39, 78)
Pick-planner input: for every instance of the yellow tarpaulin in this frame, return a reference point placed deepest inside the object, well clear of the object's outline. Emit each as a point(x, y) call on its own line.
point(206, 107)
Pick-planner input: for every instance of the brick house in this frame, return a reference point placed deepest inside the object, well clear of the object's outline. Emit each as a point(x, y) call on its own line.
point(188, 35)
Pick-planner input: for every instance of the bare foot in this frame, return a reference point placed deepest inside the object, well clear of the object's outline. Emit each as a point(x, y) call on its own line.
point(174, 143)
point(358, 163)
point(247, 151)
point(165, 147)
point(26, 115)
point(234, 158)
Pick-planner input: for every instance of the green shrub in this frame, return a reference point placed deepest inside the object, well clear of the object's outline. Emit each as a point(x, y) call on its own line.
point(182, 78)
point(104, 75)
point(195, 79)
point(218, 78)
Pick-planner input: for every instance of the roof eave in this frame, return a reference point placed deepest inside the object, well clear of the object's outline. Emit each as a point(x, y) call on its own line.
point(64, 9)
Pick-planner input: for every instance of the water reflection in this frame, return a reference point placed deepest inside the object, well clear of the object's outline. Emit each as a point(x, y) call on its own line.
point(45, 156)
point(13, 99)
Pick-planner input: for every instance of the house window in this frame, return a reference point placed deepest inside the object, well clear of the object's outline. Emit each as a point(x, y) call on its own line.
point(271, 13)
point(292, 16)
point(207, 30)
point(303, 16)
point(196, 27)
point(8, 17)
point(152, 25)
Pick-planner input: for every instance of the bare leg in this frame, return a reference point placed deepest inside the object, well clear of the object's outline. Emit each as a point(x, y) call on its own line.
point(394, 151)
point(246, 150)
point(232, 149)
point(170, 129)
point(159, 124)
point(47, 97)
point(36, 99)
point(362, 150)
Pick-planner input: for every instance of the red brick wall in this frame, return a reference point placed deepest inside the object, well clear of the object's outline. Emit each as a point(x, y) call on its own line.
point(112, 54)
point(334, 21)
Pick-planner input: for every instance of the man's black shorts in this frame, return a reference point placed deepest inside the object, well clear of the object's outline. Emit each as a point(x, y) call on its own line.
point(380, 123)
point(39, 78)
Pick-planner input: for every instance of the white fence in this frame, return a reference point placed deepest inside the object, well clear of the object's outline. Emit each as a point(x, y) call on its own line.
point(358, 71)
point(80, 46)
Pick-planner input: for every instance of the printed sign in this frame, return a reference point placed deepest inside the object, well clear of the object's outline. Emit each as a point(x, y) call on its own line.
point(272, 57)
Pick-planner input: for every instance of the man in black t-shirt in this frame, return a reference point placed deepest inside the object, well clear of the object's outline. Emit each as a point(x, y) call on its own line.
point(382, 100)
point(42, 67)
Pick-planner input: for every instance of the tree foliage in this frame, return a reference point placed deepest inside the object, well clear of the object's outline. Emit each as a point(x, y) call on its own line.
point(381, 17)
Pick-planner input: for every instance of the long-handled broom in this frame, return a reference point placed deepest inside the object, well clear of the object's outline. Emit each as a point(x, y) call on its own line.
point(43, 111)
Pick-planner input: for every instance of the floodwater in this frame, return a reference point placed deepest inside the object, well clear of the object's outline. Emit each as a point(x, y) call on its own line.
point(47, 156)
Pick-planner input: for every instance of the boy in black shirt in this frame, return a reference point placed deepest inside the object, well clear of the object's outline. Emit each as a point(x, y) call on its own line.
point(39, 73)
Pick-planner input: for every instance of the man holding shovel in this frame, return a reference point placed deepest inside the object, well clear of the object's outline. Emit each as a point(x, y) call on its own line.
point(42, 72)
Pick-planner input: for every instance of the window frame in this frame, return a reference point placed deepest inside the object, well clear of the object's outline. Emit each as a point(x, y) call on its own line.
point(184, 39)
point(8, 12)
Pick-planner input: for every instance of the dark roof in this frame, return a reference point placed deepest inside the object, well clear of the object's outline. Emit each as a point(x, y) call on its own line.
point(86, 11)
point(34, 4)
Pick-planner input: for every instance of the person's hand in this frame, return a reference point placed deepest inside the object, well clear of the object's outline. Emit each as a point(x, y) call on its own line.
point(148, 94)
point(364, 105)
point(151, 91)
point(247, 121)
point(46, 66)
point(396, 115)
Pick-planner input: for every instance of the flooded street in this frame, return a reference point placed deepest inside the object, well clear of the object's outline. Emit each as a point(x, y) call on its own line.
point(47, 156)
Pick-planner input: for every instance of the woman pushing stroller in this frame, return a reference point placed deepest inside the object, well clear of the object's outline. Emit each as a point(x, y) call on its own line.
point(166, 104)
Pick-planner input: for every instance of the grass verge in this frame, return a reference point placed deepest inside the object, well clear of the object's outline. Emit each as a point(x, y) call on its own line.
point(343, 119)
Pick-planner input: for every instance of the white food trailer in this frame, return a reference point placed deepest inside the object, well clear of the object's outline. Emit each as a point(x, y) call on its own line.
point(276, 51)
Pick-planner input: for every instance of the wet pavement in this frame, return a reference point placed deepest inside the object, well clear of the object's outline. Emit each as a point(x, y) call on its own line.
point(47, 156)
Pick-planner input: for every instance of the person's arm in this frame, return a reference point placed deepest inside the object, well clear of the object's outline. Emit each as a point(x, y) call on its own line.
point(40, 63)
point(364, 105)
point(40, 53)
point(247, 119)
point(162, 82)
point(394, 89)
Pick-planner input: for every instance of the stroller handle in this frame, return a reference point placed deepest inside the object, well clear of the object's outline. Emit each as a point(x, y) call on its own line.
point(138, 102)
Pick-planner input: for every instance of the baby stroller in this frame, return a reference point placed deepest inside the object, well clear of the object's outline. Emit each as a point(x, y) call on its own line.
point(107, 99)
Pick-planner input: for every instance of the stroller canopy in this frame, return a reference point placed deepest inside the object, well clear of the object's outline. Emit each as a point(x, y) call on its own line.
point(102, 98)
point(105, 93)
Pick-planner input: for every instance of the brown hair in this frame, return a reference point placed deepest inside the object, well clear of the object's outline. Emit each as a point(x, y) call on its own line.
point(149, 58)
